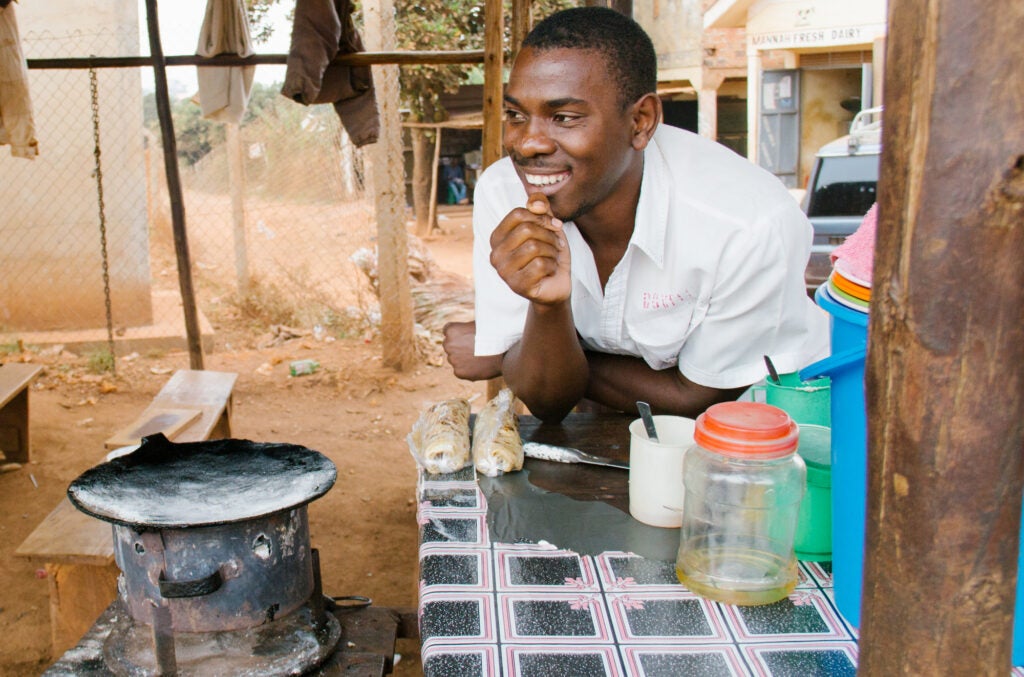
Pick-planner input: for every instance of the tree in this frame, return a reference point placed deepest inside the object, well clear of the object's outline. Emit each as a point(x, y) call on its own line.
point(259, 27)
point(440, 25)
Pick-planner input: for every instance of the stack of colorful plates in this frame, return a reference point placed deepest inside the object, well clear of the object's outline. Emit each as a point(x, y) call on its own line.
point(847, 289)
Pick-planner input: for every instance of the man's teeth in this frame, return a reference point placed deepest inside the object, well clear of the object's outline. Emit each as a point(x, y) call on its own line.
point(545, 179)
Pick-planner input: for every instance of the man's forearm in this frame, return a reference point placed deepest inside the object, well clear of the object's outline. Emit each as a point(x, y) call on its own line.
point(618, 381)
point(547, 368)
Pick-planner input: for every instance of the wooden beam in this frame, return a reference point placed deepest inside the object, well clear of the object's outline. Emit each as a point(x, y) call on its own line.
point(354, 59)
point(945, 368)
point(170, 148)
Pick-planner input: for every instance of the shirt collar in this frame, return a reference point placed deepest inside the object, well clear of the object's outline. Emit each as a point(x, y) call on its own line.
point(652, 207)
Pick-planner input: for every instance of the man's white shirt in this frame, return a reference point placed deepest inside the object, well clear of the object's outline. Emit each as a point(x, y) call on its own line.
point(712, 279)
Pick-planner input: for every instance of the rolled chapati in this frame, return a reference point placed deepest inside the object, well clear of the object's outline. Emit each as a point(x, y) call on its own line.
point(439, 440)
point(497, 447)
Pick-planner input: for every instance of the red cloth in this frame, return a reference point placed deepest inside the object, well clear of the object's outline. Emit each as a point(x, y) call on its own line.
point(857, 253)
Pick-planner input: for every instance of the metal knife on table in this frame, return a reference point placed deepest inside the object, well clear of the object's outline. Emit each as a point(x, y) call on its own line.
point(550, 452)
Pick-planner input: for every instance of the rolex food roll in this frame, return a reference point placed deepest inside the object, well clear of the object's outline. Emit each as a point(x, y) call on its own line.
point(497, 447)
point(439, 440)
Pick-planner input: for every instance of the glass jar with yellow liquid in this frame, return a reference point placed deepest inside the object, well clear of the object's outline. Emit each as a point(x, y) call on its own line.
point(743, 489)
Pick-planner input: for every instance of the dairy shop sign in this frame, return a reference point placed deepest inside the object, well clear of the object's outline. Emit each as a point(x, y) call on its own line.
point(817, 37)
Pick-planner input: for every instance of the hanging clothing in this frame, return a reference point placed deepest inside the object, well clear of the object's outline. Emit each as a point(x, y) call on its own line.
point(17, 127)
point(224, 90)
point(322, 30)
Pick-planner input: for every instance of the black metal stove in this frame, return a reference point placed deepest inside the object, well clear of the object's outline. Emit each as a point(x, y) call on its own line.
point(217, 573)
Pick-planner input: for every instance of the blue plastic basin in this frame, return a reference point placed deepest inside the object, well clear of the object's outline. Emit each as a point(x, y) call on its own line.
point(850, 465)
point(849, 450)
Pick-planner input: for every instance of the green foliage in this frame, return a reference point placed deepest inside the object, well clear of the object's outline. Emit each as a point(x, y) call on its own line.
point(266, 303)
point(444, 25)
point(101, 361)
point(258, 11)
point(421, 25)
point(195, 135)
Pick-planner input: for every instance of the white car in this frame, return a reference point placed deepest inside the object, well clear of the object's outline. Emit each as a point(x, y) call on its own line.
point(841, 190)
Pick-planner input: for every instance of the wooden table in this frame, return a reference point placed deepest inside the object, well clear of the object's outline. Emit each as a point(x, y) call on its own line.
point(525, 604)
point(15, 378)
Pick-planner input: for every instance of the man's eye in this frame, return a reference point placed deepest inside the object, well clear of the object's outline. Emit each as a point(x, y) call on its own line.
point(563, 118)
point(512, 116)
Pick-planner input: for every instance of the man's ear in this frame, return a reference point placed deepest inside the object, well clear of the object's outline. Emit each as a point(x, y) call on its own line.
point(646, 116)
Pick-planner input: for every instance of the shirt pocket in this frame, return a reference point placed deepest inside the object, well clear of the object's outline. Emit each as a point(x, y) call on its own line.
point(660, 330)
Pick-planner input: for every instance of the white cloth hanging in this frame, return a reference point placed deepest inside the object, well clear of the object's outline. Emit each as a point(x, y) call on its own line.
point(17, 127)
point(224, 90)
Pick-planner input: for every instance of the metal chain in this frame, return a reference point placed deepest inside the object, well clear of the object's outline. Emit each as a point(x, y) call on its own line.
point(94, 93)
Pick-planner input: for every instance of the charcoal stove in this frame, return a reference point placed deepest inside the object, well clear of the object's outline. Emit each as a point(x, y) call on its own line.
point(217, 574)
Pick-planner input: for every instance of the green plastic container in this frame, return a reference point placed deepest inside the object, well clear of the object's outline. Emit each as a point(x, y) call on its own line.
point(813, 541)
point(806, 402)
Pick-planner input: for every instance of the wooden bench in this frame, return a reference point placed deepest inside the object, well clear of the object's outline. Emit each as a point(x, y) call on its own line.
point(15, 379)
point(77, 550)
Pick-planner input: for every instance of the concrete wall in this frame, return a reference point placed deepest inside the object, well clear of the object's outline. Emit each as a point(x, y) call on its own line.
point(822, 118)
point(797, 27)
point(799, 24)
point(51, 262)
point(676, 28)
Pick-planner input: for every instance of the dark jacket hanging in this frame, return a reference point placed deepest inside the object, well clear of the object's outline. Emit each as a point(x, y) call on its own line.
point(322, 30)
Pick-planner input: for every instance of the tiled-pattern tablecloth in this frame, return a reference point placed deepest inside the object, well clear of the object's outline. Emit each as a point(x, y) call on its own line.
point(534, 609)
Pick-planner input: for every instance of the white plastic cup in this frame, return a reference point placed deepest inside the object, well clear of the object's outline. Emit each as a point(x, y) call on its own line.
point(656, 470)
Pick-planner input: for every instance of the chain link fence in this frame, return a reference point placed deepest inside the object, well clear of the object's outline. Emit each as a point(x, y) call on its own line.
point(275, 208)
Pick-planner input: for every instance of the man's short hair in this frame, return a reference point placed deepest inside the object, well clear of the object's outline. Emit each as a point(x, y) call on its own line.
point(626, 48)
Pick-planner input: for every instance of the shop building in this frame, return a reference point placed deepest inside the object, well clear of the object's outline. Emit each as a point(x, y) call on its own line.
point(811, 65)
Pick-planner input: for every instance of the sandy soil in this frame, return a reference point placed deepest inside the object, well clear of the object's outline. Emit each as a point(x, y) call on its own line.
point(354, 410)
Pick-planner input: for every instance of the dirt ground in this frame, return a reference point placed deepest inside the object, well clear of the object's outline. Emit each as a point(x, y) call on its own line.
point(354, 410)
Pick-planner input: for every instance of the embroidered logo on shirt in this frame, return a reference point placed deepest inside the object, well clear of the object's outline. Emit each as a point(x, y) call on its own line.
point(651, 300)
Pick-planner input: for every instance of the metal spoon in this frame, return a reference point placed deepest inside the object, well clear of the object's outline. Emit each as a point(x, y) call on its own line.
point(645, 414)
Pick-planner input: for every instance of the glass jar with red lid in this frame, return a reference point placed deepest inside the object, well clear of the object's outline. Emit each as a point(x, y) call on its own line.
point(743, 489)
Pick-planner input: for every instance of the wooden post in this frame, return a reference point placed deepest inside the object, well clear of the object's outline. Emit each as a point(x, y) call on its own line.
point(236, 185)
point(435, 163)
point(522, 22)
point(622, 6)
point(184, 261)
point(399, 350)
point(494, 30)
point(945, 368)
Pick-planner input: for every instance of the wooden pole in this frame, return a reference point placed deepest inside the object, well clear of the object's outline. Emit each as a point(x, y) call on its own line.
point(432, 212)
point(163, 110)
point(494, 30)
point(945, 368)
point(622, 6)
point(522, 22)
point(236, 186)
point(396, 321)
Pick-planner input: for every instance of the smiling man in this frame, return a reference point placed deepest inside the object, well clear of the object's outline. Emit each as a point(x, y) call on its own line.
point(617, 258)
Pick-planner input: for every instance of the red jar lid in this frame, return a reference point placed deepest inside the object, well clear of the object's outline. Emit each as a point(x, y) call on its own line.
point(747, 430)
